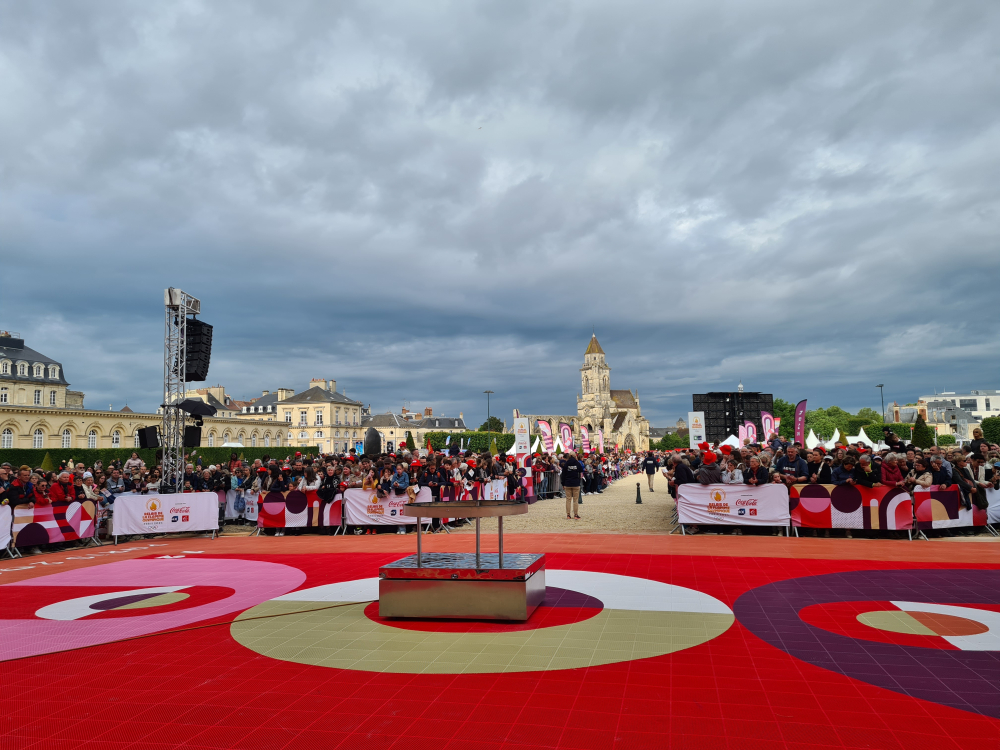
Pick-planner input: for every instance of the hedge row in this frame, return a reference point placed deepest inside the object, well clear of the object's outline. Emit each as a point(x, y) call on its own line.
point(477, 442)
point(33, 457)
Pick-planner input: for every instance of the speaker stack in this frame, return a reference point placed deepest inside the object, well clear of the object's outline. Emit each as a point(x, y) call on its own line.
point(148, 438)
point(199, 350)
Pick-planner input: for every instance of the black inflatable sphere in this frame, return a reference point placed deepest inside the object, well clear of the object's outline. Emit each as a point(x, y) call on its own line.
point(373, 443)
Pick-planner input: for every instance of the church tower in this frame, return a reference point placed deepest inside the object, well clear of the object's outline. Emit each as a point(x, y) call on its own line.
point(595, 375)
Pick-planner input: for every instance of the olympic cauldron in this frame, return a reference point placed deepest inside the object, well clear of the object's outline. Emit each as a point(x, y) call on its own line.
point(453, 585)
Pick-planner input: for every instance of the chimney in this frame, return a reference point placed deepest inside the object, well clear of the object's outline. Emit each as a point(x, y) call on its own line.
point(428, 412)
point(265, 393)
point(333, 386)
point(317, 383)
point(284, 393)
point(405, 411)
point(461, 416)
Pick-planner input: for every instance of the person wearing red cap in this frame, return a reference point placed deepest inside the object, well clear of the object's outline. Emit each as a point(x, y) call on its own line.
point(709, 472)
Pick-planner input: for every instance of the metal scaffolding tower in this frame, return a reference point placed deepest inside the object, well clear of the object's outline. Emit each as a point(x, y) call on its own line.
point(177, 306)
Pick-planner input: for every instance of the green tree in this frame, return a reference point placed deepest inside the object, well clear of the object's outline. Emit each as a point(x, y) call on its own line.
point(923, 436)
point(47, 464)
point(410, 445)
point(991, 429)
point(871, 415)
point(784, 411)
point(491, 425)
point(946, 439)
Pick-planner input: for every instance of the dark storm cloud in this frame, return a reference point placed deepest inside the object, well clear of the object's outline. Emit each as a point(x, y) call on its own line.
point(427, 200)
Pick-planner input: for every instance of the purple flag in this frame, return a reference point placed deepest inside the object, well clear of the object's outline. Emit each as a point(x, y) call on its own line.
point(800, 422)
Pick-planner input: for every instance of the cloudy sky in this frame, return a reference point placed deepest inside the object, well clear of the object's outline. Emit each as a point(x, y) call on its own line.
point(427, 200)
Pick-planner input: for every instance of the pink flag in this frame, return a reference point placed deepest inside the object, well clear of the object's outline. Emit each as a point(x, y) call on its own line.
point(600, 441)
point(546, 429)
point(767, 425)
point(566, 435)
point(751, 431)
point(585, 439)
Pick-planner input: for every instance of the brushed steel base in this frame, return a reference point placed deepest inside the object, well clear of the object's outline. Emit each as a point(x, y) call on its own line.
point(461, 599)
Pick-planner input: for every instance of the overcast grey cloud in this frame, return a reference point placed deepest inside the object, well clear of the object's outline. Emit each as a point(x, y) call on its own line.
point(426, 200)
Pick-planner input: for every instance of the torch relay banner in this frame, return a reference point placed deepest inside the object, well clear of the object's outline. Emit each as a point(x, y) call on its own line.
point(366, 508)
point(696, 428)
point(800, 422)
point(160, 514)
point(566, 435)
point(585, 439)
point(733, 504)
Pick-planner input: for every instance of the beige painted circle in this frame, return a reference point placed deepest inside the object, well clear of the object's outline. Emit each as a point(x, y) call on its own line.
point(342, 637)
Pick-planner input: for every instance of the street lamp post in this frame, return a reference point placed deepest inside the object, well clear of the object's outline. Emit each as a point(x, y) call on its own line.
point(488, 409)
point(880, 386)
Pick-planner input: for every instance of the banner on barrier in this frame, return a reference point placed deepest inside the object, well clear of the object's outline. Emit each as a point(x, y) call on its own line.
point(59, 521)
point(733, 504)
point(161, 514)
point(288, 510)
point(993, 512)
point(6, 519)
point(849, 506)
point(366, 508)
point(937, 508)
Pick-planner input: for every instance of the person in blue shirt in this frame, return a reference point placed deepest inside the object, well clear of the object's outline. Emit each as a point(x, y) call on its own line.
point(844, 474)
point(793, 469)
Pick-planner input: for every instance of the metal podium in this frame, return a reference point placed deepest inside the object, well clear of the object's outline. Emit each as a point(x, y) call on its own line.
point(456, 585)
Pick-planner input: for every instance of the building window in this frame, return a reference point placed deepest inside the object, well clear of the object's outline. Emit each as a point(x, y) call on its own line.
point(267, 441)
point(38, 397)
point(288, 417)
point(355, 433)
point(253, 441)
point(242, 439)
point(290, 436)
point(336, 433)
point(54, 372)
point(987, 404)
point(319, 418)
point(92, 440)
point(7, 439)
point(225, 437)
point(5, 368)
point(67, 439)
point(211, 440)
point(22, 370)
point(303, 418)
point(39, 441)
point(135, 440)
point(52, 398)
point(38, 371)
point(277, 440)
point(303, 435)
point(116, 439)
point(968, 403)
point(3, 395)
point(319, 433)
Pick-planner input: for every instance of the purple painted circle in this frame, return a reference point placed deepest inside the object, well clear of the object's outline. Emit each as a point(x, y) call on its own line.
point(121, 601)
point(296, 502)
point(31, 535)
point(967, 680)
point(556, 597)
point(846, 498)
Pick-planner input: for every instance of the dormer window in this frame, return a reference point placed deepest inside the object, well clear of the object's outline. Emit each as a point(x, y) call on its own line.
point(54, 372)
point(22, 370)
point(38, 371)
point(5, 368)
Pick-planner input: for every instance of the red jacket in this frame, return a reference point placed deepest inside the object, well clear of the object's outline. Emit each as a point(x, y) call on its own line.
point(18, 494)
point(58, 494)
point(891, 474)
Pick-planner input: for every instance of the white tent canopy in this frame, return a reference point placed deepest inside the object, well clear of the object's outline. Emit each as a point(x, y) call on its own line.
point(731, 440)
point(832, 441)
point(811, 440)
point(861, 437)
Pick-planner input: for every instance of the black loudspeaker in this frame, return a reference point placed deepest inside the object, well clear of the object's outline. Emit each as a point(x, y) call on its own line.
point(148, 438)
point(192, 436)
point(373, 443)
point(199, 350)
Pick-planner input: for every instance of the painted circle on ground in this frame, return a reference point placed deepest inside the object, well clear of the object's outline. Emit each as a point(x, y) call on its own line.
point(956, 673)
point(640, 619)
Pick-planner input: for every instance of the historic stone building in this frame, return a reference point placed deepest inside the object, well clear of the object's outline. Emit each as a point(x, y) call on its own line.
point(37, 410)
point(598, 407)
